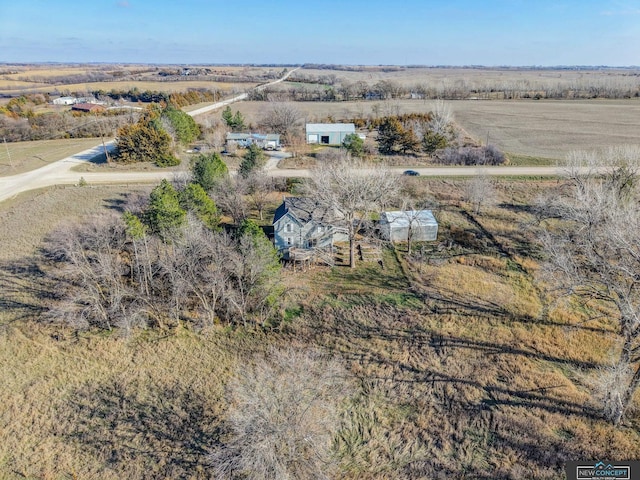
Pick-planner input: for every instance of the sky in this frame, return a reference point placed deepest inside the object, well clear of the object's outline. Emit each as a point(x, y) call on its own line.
point(354, 32)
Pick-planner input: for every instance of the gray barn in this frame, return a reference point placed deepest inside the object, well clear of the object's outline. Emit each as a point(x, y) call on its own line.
point(394, 226)
point(329, 133)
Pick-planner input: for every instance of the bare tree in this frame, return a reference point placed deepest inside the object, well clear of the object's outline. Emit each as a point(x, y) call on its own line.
point(254, 282)
point(281, 118)
point(480, 191)
point(593, 243)
point(283, 415)
point(93, 288)
point(441, 117)
point(229, 197)
point(259, 187)
point(352, 190)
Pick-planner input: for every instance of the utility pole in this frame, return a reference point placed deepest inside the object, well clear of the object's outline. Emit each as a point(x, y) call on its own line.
point(8, 153)
point(104, 147)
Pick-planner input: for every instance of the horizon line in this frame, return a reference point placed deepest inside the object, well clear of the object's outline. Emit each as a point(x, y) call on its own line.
point(311, 64)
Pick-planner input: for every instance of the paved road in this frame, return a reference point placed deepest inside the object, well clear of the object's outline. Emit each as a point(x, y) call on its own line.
point(60, 172)
point(450, 171)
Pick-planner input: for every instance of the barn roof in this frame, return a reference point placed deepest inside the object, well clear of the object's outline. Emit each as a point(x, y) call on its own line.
point(331, 127)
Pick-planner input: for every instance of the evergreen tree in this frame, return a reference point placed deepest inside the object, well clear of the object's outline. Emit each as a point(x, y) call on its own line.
point(238, 122)
point(208, 169)
point(135, 228)
point(390, 134)
point(252, 160)
point(227, 116)
point(194, 199)
point(185, 127)
point(164, 215)
point(354, 145)
point(433, 141)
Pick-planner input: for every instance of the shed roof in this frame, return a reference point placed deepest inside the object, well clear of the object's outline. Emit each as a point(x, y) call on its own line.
point(331, 127)
point(401, 218)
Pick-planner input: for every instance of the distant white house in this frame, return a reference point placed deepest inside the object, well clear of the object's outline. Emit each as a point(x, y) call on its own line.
point(268, 141)
point(65, 101)
point(328, 133)
point(394, 226)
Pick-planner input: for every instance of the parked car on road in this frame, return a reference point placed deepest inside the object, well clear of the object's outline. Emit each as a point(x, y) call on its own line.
point(411, 173)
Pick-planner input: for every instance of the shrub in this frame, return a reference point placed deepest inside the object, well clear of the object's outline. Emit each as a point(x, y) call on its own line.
point(488, 155)
point(284, 413)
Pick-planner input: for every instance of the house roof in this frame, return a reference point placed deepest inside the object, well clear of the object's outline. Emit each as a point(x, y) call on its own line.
point(331, 127)
point(401, 218)
point(237, 136)
point(255, 136)
point(302, 209)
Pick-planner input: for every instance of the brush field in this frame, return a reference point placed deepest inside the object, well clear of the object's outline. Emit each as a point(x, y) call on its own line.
point(463, 367)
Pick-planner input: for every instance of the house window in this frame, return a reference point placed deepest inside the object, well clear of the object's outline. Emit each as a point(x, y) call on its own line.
point(289, 241)
point(324, 139)
point(288, 228)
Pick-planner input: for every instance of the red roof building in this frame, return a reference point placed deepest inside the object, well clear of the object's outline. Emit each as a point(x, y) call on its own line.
point(88, 107)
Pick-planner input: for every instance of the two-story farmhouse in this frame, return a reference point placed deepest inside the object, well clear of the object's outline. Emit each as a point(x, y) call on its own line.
point(300, 222)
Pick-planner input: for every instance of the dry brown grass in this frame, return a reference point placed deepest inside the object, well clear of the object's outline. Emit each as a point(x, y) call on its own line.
point(464, 369)
point(25, 156)
point(28, 218)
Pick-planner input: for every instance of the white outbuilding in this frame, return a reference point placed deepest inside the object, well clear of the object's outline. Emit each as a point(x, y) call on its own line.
point(396, 226)
point(329, 133)
point(65, 101)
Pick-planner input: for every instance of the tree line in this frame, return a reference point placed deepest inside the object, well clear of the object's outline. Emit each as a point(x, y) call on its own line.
point(165, 261)
point(327, 88)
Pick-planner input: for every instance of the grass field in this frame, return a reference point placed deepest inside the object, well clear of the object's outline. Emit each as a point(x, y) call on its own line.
point(548, 129)
point(461, 369)
point(19, 157)
point(34, 78)
point(142, 85)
